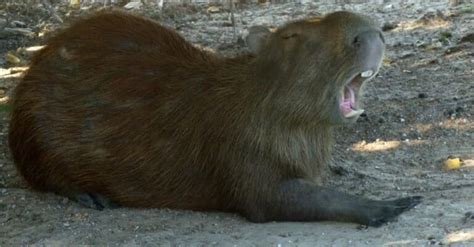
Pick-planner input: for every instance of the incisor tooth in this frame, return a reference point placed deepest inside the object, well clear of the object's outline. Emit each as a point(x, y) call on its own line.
point(354, 113)
point(367, 73)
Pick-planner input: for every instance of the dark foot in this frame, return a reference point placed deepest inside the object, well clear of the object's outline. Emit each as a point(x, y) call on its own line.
point(300, 200)
point(388, 210)
point(95, 201)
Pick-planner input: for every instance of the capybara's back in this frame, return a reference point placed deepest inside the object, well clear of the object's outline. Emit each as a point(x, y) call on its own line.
point(106, 107)
point(118, 109)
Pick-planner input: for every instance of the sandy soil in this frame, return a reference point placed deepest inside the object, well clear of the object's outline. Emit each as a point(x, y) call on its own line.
point(419, 111)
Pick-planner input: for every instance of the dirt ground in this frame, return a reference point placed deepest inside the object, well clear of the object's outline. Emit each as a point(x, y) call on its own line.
point(419, 112)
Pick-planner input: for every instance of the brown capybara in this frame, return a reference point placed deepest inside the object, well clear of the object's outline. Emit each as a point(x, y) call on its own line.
point(120, 110)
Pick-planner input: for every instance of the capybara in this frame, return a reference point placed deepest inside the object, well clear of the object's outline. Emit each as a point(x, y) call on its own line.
point(120, 110)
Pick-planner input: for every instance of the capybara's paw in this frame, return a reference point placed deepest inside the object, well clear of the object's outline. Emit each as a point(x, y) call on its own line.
point(389, 210)
point(95, 201)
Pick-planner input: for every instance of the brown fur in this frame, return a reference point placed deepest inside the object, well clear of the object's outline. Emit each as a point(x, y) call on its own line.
point(121, 106)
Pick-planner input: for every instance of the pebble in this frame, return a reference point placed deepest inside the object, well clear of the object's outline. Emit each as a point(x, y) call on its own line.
point(387, 26)
point(18, 24)
point(406, 55)
point(468, 217)
point(469, 38)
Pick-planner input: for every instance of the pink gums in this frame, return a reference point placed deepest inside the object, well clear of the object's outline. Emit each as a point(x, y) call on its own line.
point(347, 103)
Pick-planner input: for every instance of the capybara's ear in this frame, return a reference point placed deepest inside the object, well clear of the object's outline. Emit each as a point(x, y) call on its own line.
point(257, 38)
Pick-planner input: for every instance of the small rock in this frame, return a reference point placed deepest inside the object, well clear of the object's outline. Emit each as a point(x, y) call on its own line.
point(213, 9)
point(452, 113)
point(420, 44)
point(432, 239)
point(413, 163)
point(284, 235)
point(389, 26)
point(453, 49)
point(227, 24)
point(436, 44)
point(435, 61)
point(339, 170)
point(445, 35)
point(133, 5)
point(383, 118)
point(468, 38)
point(362, 227)
point(468, 217)
point(11, 58)
point(422, 95)
point(388, 7)
point(406, 55)
point(364, 117)
point(18, 24)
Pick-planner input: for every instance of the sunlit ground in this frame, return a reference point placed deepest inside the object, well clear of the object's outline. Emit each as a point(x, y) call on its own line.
point(381, 145)
point(459, 236)
point(462, 124)
point(13, 72)
point(433, 23)
point(462, 235)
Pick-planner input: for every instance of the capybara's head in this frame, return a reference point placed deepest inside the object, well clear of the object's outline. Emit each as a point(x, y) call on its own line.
point(319, 65)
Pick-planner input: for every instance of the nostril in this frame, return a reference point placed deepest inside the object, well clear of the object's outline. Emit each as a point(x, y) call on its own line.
point(368, 38)
point(356, 41)
point(382, 38)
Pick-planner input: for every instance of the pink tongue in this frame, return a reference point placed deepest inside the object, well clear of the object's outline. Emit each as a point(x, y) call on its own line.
point(347, 103)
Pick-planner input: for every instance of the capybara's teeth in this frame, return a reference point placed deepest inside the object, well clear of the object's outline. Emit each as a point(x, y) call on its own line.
point(354, 113)
point(367, 73)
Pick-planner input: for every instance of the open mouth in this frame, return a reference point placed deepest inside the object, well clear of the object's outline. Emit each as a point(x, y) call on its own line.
point(348, 103)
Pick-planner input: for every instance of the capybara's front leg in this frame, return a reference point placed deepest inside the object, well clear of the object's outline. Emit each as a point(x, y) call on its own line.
point(300, 200)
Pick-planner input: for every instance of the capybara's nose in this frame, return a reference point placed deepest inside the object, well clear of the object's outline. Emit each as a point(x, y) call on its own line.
point(370, 46)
